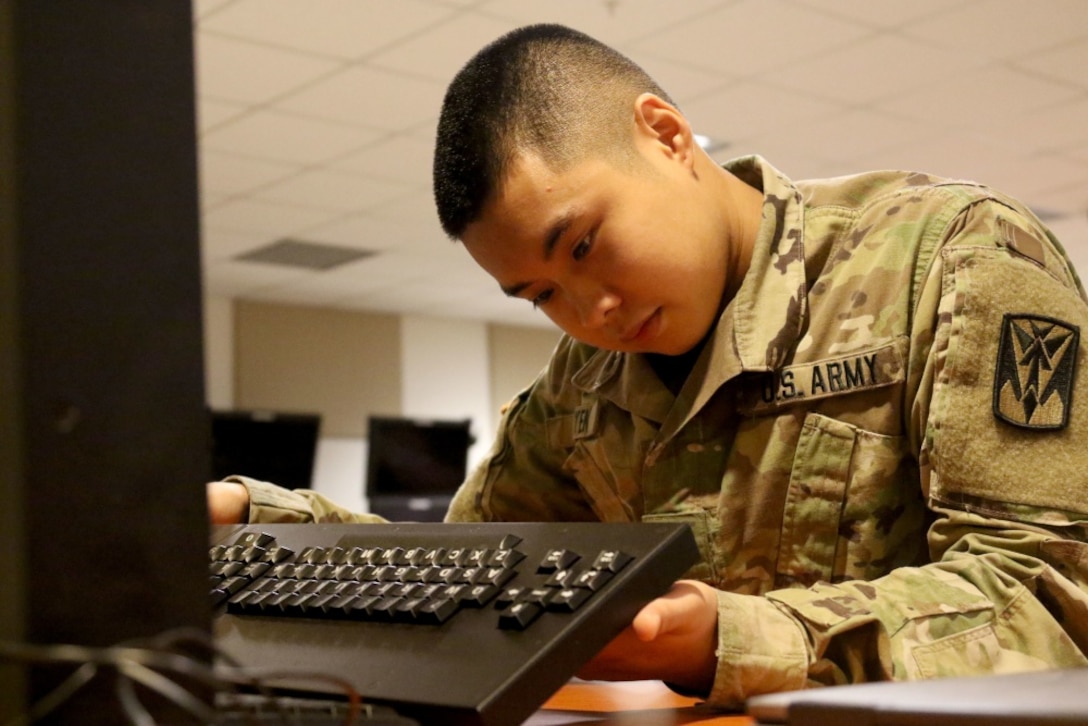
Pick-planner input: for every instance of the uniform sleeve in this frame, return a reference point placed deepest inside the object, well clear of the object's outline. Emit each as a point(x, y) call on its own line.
point(999, 417)
point(269, 504)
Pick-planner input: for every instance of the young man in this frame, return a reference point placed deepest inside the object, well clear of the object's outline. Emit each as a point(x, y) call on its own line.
point(859, 392)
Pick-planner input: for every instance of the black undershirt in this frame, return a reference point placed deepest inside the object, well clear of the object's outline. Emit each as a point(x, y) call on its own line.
point(673, 370)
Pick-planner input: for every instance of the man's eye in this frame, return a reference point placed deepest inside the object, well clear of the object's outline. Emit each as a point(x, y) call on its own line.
point(581, 249)
point(541, 298)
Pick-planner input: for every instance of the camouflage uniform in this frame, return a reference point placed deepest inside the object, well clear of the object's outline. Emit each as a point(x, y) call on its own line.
point(878, 448)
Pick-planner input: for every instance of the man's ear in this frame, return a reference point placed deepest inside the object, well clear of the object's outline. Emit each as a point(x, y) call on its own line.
point(660, 124)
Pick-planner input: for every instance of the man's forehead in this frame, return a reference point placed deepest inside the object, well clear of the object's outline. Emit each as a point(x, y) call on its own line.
point(525, 201)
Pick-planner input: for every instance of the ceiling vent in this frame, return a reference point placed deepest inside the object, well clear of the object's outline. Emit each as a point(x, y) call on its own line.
point(307, 255)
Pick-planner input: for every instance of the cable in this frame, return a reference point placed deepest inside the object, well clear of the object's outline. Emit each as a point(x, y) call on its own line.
point(152, 664)
point(131, 664)
point(57, 697)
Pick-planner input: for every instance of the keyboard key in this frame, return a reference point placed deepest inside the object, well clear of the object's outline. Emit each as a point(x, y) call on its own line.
point(509, 596)
point(557, 559)
point(611, 560)
point(436, 612)
point(561, 578)
point(568, 599)
point(257, 539)
point(592, 579)
point(479, 595)
point(519, 615)
point(539, 595)
point(506, 558)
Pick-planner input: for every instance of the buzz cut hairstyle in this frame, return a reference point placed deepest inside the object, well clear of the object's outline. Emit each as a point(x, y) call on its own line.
point(545, 89)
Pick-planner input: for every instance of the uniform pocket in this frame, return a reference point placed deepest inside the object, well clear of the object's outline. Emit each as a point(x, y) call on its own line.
point(853, 510)
point(814, 502)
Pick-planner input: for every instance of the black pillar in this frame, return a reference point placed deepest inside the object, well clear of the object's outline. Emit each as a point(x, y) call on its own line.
point(103, 430)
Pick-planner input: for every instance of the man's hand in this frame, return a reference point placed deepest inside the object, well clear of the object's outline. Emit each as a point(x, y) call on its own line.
point(673, 639)
point(228, 503)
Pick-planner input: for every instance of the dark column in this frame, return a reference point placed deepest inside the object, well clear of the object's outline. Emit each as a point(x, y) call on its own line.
point(103, 431)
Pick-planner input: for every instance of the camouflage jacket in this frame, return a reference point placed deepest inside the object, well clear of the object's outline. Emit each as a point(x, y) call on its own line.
point(878, 449)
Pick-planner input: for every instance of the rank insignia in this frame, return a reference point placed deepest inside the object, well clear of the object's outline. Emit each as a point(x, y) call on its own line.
point(1033, 383)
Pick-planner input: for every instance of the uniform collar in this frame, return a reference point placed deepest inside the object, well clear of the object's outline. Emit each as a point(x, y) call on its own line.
point(771, 307)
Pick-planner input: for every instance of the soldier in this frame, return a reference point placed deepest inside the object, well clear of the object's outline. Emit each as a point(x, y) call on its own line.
point(859, 392)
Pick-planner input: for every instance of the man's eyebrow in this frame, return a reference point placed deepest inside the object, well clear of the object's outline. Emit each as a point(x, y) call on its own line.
point(551, 239)
point(555, 233)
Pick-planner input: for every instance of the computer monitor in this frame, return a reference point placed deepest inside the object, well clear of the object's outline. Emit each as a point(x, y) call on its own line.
point(278, 447)
point(414, 466)
point(103, 425)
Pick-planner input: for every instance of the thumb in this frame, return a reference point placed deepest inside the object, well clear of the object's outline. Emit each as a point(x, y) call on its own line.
point(647, 624)
point(671, 612)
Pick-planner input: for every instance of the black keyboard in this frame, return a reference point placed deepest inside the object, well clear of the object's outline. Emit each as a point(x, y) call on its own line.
point(445, 623)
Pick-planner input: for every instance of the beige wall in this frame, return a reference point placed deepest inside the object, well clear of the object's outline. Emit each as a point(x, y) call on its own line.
point(348, 365)
point(343, 365)
point(517, 355)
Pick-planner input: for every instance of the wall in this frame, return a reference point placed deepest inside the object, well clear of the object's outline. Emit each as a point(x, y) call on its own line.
point(347, 365)
point(219, 352)
point(343, 365)
point(516, 355)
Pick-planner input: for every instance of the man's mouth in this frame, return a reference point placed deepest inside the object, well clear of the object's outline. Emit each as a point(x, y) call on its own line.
point(642, 330)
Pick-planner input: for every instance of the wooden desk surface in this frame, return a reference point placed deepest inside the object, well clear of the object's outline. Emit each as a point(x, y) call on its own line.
point(636, 703)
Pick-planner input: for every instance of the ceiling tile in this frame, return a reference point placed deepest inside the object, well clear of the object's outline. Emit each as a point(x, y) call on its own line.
point(202, 8)
point(683, 83)
point(366, 230)
point(234, 70)
point(751, 36)
point(980, 98)
point(438, 53)
point(272, 218)
point(211, 113)
point(1080, 153)
point(881, 14)
point(856, 133)
point(1064, 63)
point(277, 136)
point(330, 189)
point(417, 213)
point(1052, 128)
point(238, 279)
point(614, 22)
point(400, 158)
point(849, 74)
point(1069, 199)
point(369, 96)
point(1073, 233)
point(225, 173)
point(1002, 29)
point(745, 110)
point(341, 28)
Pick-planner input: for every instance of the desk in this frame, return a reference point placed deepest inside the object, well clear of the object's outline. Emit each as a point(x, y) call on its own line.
point(636, 703)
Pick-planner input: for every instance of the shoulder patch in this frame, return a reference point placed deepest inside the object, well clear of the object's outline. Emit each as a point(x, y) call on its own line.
point(1033, 380)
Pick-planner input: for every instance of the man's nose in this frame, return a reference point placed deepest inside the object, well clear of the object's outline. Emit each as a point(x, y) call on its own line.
point(594, 305)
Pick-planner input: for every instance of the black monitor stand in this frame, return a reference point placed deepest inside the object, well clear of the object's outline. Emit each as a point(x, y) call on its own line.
point(103, 430)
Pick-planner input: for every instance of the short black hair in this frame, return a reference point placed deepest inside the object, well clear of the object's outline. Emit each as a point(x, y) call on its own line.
point(542, 88)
